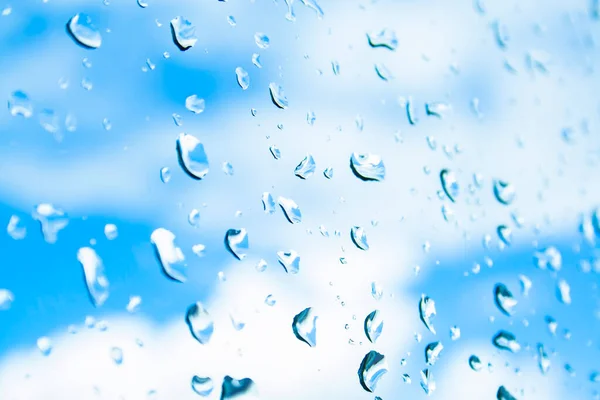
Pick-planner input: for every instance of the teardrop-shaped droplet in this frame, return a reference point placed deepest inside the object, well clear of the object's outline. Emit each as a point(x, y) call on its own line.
point(14, 228)
point(359, 237)
point(192, 156)
point(268, 203)
point(195, 104)
point(373, 326)
point(183, 32)
point(202, 386)
point(504, 340)
point(305, 327)
point(243, 78)
point(236, 241)
point(367, 167)
point(427, 382)
point(194, 217)
point(95, 278)
point(549, 258)
point(505, 234)
point(84, 32)
point(449, 184)
point(278, 96)
point(427, 312)
point(504, 191)
point(306, 167)
point(51, 219)
point(328, 173)
point(290, 209)
point(170, 256)
point(20, 104)
point(289, 260)
point(262, 40)
point(475, 363)
point(504, 299)
point(543, 360)
point(165, 175)
point(383, 38)
point(6, 299)
point(116, 353)
point(200, 323)
point(372, 368)
point(563, 291)
point(383, 72)
point(44, 344)
point(432, 352)
point(504, 394)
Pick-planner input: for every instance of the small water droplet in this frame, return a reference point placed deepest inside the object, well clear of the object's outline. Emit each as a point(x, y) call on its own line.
point(504, 340)
point(432, 352)
point(20, 104)
point(236, 241)
point(275, 152)
point(195, 104)
point(194, 217)
point(170, 256)
point(238, 389)
point(142, 3)
point(383, 72)
point(328, 172)
point(504, 191)
point(278, 96)
point(261, 265)
point(256, 60)
point(117, 355)
point(51, 219)
point(305, 328)
point(6, 299)
point(501, 34)
point(290, 209)
point(262, 40)
point(427, 382)
point(49, 121)
point(563, 291)
point(44, 344)
point(335, 67)
point(110, 231)
point(227, 168)
point(549, 258)
point(359, 237)
point(475, 363)
point(70, 122)
point(198, 249)
point(437, 109)
point(449, 184)
point(504, 299)
point(289, 260)
point(454, 332)
point(306, 168)
point(367, 166)
point(372, 368)
point(202, 386)
point(14, 229)
point(165, 175)
point(270, 300)
point(505, 234)
point(177, 119)
point(383, 38)
point(199, 322)
point(134, 304)
point(84, 32)
point(373, 326)
point(376, 291)
point(427, 311)
point(231, 20)
point(243, 78)
point(543, 360)
point(183, 32)
point(192, 156)
point(504, 394)
point(268, 203)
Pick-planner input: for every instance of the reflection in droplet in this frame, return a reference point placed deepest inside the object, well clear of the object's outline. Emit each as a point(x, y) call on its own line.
point(192, 156)
point(14, 229)
point(117, 355)
point(373, 325)
point(44, 344)
point(199, 322)
point(427, 312)
point(289, 260)
point(372, 368)
point(6, 299)
point(475, 363)
point(183, 32)
point(449, 184)
point(305, 328)
point(432, 352)
point(359, 237)
point(504, 299)
point(84, 32)
point(202, 386)
point(238, 389)
point(278, 96)
point(95, 278)
point(504, 340)
point(236, 241)
point(243, 78)
point(384, 38)
point(51, 219)
point(20, 104)
point(367, 167)
point(504, 191)
point(170, 256)
point(290, 209)
point(306, 168)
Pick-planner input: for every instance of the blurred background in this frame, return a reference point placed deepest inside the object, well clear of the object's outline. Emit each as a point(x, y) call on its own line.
point(484, 114)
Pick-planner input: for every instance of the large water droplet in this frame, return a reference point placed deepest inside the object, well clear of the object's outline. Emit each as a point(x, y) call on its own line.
point(549, 258)
point(359, 237)
point(368, 167)
point(183, 32)
point(427, 312)
point(290, 260)
point(236, 241)
point(195, 104)
point(504, 340)
point(170, 256)
point(6, 299)
point(200, 323)
point(306, 167)
point(475, 363)
point(238, 389)
point(14, 229)
point(20, 104)
point(383, 38)
point(504, 394)
point(262, 40)
point(278, 96)
point(427, 382)
point(373, 326)
point(504, 299)
point(243, 78)
point(84, 32)
point(202, 386)
point(372, 368)
point(305, 327)
point(51, 219)
point(449, 184)
point(44, 344)
point(290, 209)
point(97, 283)
point(563, 291)
point(192, 156)
point(504, 191)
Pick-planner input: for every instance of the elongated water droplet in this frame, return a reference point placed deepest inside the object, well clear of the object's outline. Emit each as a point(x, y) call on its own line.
point(501, 34)
point(14, 229)
point(116, 353)
point(427, 312)
point(183, 32)
point(449, 184)
point(6, 299)
point(200, 323)
point(314, 6)
point(44, 344)
point(290, 209)
point(373, 326)
point(563, 291)
point(383, 38)
point(278, 96)
point(238, 389)
point(427, 382)
point(84, 32)
point(504, 299)
point(504, 191)
point(504, 394)
point(256, 60)
point(170, 256)
point(289, 260)
point(432, 352)
point(192, 156)
point(305, 327)
point(134, 304)
point(549, 258)
point(504, 234)
point(202, 386)
point(20, 104)
point(268, 203)
point(526, 284)
point(306, 167)
point(243, 78)
point(367, 167)
point(372, 368)
point(504, 340)
point(236, 241)
point(359, 237)
point(51, 219)
point(543, 360)
point(383, 72)
point(95, 278)
point(475, 363)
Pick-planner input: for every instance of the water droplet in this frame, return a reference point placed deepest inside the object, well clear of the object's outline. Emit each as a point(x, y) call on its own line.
point(261, 265)
point(525, 284)
point(165, 175)
point(49, 121)
point(256, 60)
point(268, 203)
point(505, 192)
point(432, 352)
point(501, 34)
point(328, 173)
point(505, 234)
point(195, 104)
point(315, 6)
point(454, 332)
point(563, 291)
point(447, 213)
point(306, 168)
point(183, 32)
point(20, 104)
point(367, 166)
point(194, 217)
point(305, 328)
point(359, 237)
point(192, 156)
point(236, 241)
point(134, 304)
point(543, 360)
point(427, 382)
point(200, 323)
point(262, 40)
point(95, 278)
point(548, 258)
point(71, 122)
point(504, 340)
point(372, 368)
point(373, 326)
point(117, 355)
point(202, 386)
point(51, 219)
point(6, 11)
point(243, 78)
point(384, 38)
point(437, 109)
point(110, 231)
point(475, 363)
point(242, 389)
point(552, 324)
point(227, 168)
point(504, 299)
point(142, 3)
point(383, 72)
point(427, 312)
point(290, 209)
point(84, 32)
point(177, 119)
point(376, 291)
point(6, 299)
point(311, 117)
point(170, 256)
point(449, 184)
point(504, 394)
point(289, 260)
point(275, 152)
point(270, 300)
point(44, 344)
point(335, 67)
point(198, 249)
point(278, 96)
point(14, 230)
